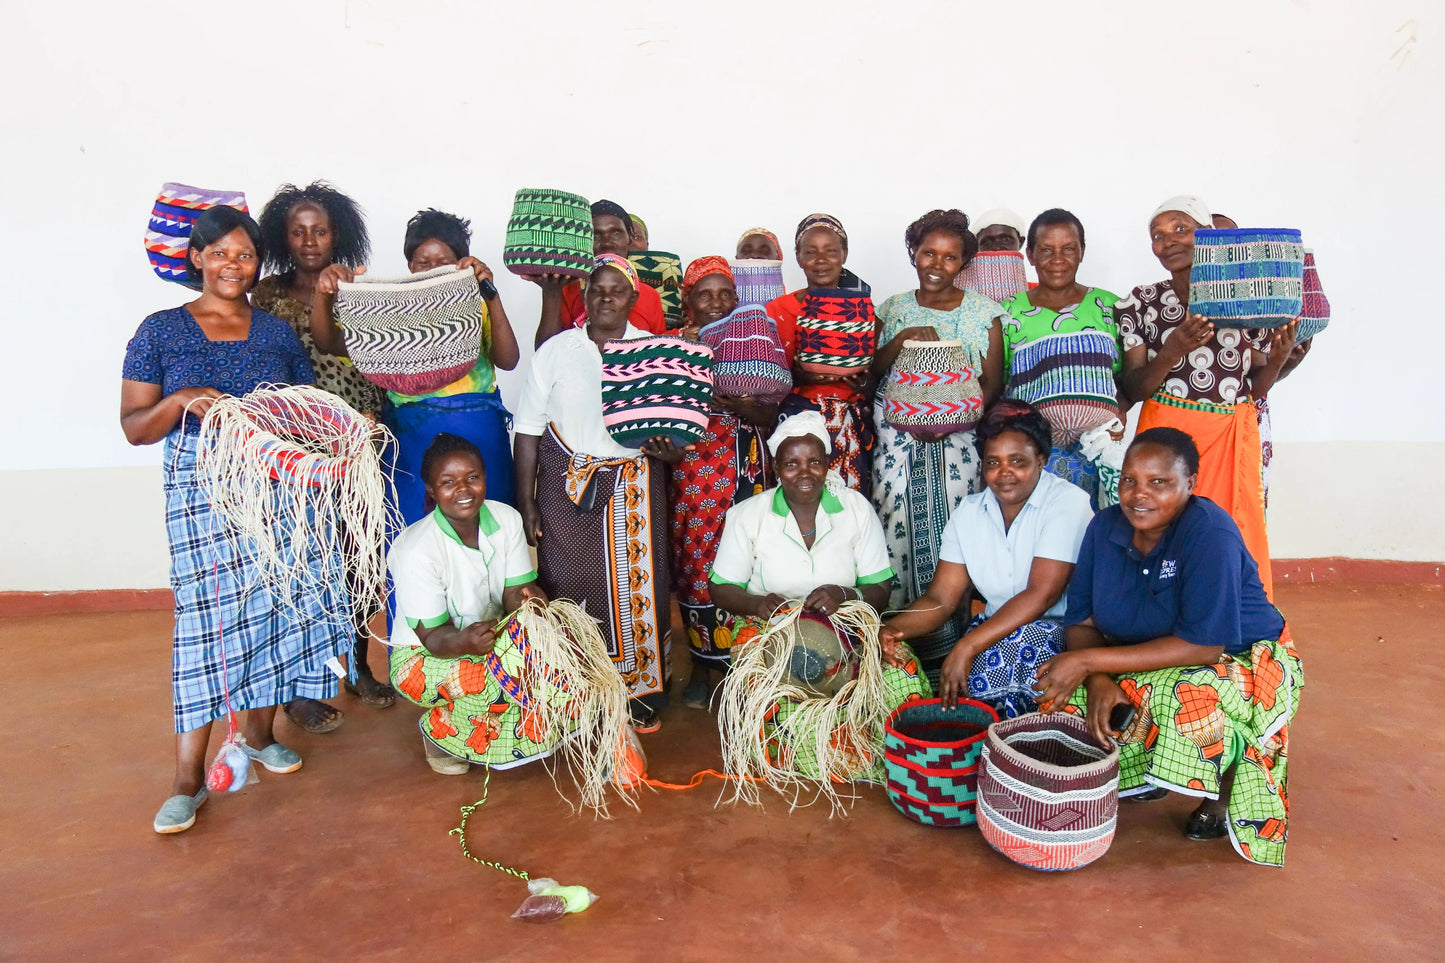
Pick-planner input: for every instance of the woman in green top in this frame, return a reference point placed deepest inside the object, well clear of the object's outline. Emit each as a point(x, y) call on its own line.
point(470, 407)
point(1060, 305)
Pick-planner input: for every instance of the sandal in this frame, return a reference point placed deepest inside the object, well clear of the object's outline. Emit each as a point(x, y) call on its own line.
point(646, 722)
point(1204, 825)
point(372, 692)
point(1153, 795)
point(275, 758)
point(697, 693)
point(441, 761)
point(178, 813)
point(320, 721)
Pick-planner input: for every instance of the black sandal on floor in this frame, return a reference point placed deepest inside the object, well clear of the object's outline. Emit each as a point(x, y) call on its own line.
point(1206, 825)
point(1153, 795)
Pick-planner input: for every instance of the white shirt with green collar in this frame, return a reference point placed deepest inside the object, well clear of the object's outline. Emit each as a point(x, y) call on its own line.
point(762, 548)
point(438, 579)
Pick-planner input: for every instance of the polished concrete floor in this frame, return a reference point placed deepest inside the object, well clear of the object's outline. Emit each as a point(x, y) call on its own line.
point(350, 858)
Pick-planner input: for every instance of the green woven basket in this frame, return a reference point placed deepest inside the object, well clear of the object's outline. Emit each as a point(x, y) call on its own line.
point(549, 232)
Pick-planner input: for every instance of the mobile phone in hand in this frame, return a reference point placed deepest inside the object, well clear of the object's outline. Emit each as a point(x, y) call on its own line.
point(489, 290)
point(1121, 717)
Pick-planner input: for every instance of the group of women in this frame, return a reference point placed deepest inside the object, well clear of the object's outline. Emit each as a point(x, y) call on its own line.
point(1161, 601)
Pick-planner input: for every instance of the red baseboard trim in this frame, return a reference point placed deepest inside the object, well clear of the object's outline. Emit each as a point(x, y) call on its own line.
point(65, 603)
point(1304, 571)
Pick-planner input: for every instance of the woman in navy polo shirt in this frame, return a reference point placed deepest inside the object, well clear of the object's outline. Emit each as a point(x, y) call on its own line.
point(1167, 615)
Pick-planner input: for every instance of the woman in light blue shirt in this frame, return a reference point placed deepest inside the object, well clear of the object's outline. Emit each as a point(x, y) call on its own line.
point(1016, 542)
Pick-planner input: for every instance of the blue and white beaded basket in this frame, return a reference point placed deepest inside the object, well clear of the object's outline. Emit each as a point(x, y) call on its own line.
point(1247, 278)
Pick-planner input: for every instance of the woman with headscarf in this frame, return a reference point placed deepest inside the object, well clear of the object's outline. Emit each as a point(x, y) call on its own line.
point(727, 465)
point(1059, 304)
point(1168, 626)
point(920, 477)
point(759, 243)
point(470, 407)
point(821, 247)
point(305, 230)
point(1200, 379)
point(814, 540)
point(596, 510)
point(564, 302)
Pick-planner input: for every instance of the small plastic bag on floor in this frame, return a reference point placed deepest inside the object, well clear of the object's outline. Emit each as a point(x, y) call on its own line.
point(232, 768)
point(550, 901)
point(630, 768)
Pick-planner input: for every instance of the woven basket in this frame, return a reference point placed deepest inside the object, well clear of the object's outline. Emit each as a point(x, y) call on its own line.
point(1069, 378)
point(1247, 278)
point(289, 434)
point(414, 334)
point(657, 386)
point(549, 232)
point(931, 387)
point(1315, 313)
point(837, 332)
point(931, 754)
point(997, 275)
point(748, 356)
point(758, 281)
point(1048, 797)
point(168, 237)
point(662, 272)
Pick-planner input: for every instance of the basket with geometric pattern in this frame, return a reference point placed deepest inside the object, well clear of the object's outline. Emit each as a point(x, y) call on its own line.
point(168, 236)
point(931, 753)
point(549, 233)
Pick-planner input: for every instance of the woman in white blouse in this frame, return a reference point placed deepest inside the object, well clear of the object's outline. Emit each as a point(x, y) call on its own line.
point(597, 510)
point(1016, 542)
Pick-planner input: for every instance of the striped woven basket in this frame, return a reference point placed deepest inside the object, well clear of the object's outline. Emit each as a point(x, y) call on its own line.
point(1247, 278)
point(549, 232)
point(997, 275)
point(1315, 313)
point(657, 386)
point(662, 272)
point(748, 356)
point(837, 332)
point(931, 387)
point(414, 334)
point(931, 753)
point(1048, 797)
point(168, 236)
point(758, 281)
point(1069, 378)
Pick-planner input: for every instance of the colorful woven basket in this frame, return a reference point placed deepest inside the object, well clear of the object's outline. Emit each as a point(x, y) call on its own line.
point(1247, 278)
point(758, 281)
point(931, 387)
point(657, 386)
point(662, 272)
point(837, 332)
point(1070, 379)
point(997, 275)
point(748, 356)
point(168, 238)
point(549, 232)
point(1048, 797)
point(1315, 313)
point(931, 753)
point(414, 334)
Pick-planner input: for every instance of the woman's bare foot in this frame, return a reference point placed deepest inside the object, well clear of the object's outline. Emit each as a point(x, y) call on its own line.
point(313, 716)
point(372, 692)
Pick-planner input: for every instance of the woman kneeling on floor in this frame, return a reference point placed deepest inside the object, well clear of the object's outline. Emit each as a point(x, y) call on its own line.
point(1016, 542)
point(457, 571)
point(815, 539)
point(1167, 616)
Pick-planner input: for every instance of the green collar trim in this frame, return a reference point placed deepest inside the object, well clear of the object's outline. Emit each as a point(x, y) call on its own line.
point(830, 502)
point(486, 524)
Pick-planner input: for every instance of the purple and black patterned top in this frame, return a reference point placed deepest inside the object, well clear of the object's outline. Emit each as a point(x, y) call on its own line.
point(170, 349)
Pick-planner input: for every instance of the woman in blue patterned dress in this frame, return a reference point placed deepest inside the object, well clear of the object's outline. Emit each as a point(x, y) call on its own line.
point(179, 362)
point(919, 478)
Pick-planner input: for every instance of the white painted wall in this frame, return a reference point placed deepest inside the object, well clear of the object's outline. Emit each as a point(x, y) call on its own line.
point(707, 119)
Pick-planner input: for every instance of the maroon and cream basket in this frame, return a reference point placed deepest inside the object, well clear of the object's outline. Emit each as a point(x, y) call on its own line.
point(1048, 795)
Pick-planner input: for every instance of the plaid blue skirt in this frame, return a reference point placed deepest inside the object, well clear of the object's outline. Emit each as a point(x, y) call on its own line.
point(272, 655)
point(1003, 674)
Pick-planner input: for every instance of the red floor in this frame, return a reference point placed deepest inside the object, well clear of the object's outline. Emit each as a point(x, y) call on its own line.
point(350, 857)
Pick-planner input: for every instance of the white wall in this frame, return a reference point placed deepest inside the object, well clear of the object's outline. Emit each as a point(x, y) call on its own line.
point(707, 119)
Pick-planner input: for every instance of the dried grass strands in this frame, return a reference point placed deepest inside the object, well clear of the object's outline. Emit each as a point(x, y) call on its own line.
point(844, 731)
point(296, 476)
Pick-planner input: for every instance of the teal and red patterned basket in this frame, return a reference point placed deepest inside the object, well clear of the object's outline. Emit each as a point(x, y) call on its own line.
point(931, 753)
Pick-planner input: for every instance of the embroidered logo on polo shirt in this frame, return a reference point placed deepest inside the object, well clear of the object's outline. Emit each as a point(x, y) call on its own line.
point(1167, 568)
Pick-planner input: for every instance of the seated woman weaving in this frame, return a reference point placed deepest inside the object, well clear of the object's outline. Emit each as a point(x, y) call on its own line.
point(812, 539)
point(456, 572)
point(1167, 617)
point(1016, 542)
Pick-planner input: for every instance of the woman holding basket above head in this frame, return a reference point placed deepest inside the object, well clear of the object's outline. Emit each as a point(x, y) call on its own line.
point(227, 631)
point(471, 406)
point(920, 475)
